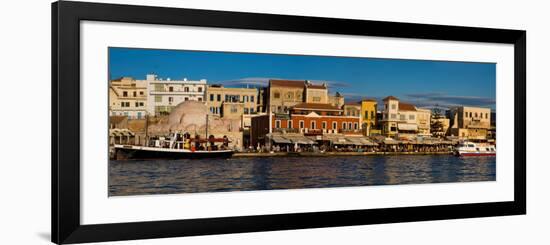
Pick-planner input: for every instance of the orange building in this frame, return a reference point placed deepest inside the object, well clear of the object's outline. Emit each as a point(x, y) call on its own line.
point(306, 119)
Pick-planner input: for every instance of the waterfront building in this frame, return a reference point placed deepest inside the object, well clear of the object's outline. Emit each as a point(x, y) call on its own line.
point(368, 116)
point(284, 94)
point(165, 94)
point(306, 119)
point(336, 100)
point(316, 93)
point(399, 119)
point(217, 97)
point(423, 120)
point(127, 97)
point(469, 122)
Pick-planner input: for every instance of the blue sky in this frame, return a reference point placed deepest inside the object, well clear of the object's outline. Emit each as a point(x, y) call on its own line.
point(424, 83)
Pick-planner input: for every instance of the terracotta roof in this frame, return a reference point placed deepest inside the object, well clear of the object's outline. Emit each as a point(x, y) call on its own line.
point(315, 106)
point(406, 107)
point(287, 83)
point(390, 98)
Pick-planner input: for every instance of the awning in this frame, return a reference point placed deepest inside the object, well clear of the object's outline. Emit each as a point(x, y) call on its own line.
point(120, 132)
point(299, 139)
point(280, 140)
point(408, 127)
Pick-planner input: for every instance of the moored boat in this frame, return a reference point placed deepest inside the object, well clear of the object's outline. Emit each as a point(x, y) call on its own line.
point(468, 148)
point(145, 152)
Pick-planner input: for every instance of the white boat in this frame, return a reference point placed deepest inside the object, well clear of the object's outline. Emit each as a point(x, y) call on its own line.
point(468, 148)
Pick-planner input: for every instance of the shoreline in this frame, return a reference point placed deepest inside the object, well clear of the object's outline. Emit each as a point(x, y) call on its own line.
point(329, 154)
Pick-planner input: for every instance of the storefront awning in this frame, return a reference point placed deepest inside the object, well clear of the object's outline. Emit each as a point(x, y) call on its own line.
point(280, 140)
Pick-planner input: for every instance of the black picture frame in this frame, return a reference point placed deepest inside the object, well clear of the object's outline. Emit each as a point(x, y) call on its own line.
point(66, 18)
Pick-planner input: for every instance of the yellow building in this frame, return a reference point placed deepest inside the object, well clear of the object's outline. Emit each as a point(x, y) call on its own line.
point(368, 115)
point(423, 119)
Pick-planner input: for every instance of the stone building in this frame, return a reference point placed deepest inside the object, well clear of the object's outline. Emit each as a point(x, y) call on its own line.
point(191, 117)
point(127, 97)
point(284, 94)
point(316, 93)
point(469, 122)
point(336, 100)
point(217, 96)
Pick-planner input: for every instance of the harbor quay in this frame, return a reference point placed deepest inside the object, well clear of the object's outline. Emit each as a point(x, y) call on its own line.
point(284, 118)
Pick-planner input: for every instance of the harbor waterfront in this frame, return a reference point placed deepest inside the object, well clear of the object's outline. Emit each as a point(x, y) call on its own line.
point(248, 172)
point(183, 121)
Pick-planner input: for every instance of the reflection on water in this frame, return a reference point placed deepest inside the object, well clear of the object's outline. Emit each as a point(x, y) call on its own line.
point(130, 177)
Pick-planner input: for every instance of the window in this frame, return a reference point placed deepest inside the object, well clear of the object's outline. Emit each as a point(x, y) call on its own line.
point(313, 125)
point(402, 117)
point(475, 114)
point(211, 97)
point(344, 125)
point(135, 93)
point(122, 104)
point(277, 123)
point(251, 98)
point(470, 114)
point(158, 98)
point(141, 103)
point(219, 97)
point(245, 110)
point(301, 124)
point(251, 110)
point(245, 98)
point(316, 98)
point(171, 89)
point(393, 116)
point(186, 98)
point(276, 95)
point(170, 99)
point(137, 104)
point(200, 98)
point(289, 95)
point(233, 109)
point(465, 114)
point(486, 115)
point(124, 94)
point(324, 125)
point(366, 114)
point(393, 106)
point(200, 89)
point(372, 115)
point(411, 117)
point(289, 123)
point(355, 126)
point(140, 92)
point(186, 89)
point(349, 125)
point(139, 115)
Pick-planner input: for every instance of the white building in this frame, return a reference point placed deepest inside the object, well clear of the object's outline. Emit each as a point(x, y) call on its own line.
point(165, 94)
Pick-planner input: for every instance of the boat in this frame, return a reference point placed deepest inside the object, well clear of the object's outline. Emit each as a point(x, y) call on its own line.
point(469, 148)
point(176, 146)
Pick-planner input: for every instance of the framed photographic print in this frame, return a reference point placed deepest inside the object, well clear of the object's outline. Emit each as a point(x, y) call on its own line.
point(176, 122)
